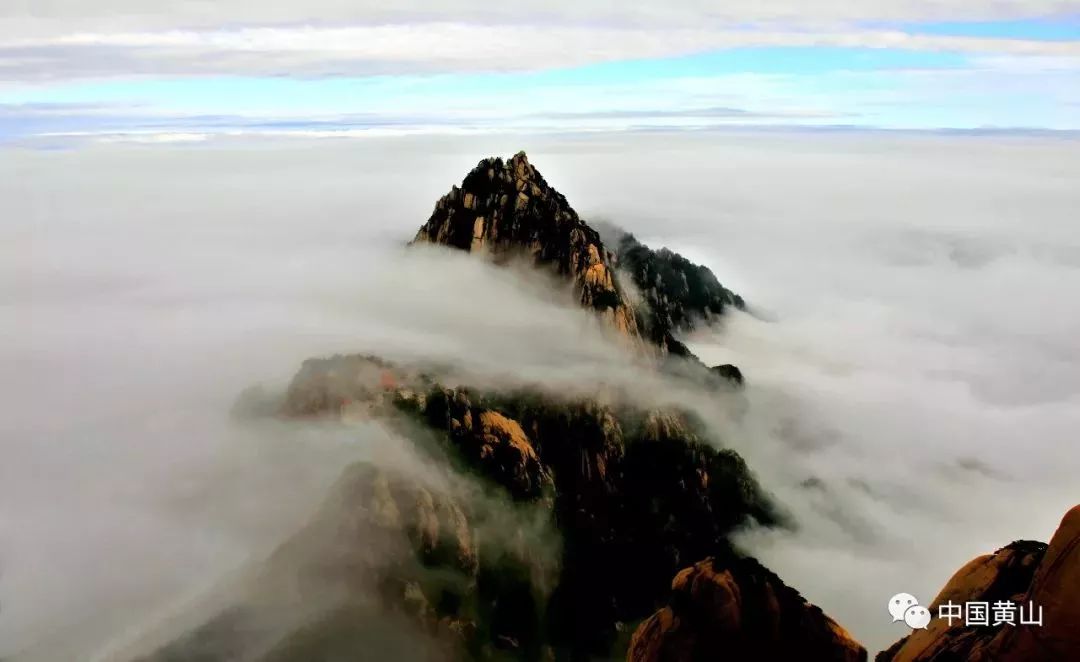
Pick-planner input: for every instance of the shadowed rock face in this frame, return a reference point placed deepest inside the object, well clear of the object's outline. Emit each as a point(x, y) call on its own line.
point(1023, 572)
point(506, 209)
point(729, 372)
point(678, 294)
point(734, 609)
point(389, 565)
point(495, 444)
point(634, 493)
point(576, 513)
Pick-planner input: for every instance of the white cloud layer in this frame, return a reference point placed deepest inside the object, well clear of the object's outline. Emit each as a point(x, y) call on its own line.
point(65, 39)
point(921, 362)
point(436, 47)
point(63, 15)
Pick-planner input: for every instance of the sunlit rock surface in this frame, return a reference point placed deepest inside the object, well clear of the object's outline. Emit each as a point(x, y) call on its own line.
point(632, 492)
point(735, 609)
point(535, 525)
point(1029, 573)
point(506, 209)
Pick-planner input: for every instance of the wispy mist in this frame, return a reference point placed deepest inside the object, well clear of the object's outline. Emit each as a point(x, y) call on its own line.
point(911, 360)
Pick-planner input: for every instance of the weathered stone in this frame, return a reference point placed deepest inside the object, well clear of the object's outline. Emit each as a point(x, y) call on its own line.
point(528, 216)
point(737, 610)
point(1026, 573)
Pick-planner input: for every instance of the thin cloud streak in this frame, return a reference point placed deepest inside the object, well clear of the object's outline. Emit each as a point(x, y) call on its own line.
point(67, 16)
point(435, 48)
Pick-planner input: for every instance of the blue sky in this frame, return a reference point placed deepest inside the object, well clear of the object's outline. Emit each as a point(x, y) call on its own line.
point(1064, 28)
point(240, 73)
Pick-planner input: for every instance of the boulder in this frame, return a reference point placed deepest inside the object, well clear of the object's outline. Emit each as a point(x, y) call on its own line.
point(735, 609)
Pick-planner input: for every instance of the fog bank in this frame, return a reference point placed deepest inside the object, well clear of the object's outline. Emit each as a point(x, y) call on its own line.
point(913, 375)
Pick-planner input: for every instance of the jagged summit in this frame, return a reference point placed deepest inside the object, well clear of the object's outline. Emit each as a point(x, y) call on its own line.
point(506, 208)
point(532, 524)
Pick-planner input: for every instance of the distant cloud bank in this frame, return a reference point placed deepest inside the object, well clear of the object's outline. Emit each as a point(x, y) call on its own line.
point(536, 65)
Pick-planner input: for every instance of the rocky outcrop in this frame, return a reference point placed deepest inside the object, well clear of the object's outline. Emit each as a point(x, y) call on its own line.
point(494, 444)
point(1025, 573)
point(545, 522)
point(678, 294)
point(452, 562)
point(633, 492)
point(728, 372)
point(444, 572)
point(373, 515)
point(507, 209)
point(344, 384)
point(638, 494)
point(735, 609)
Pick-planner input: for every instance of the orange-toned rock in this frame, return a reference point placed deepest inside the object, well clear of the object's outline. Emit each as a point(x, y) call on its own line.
point(663, 425)
point(739, 610)
point(506, 208)
point(489, 440)
point(637, 494)
point(499, 430)
point(1027, 573)
point(1055, 588)
point(353, 385)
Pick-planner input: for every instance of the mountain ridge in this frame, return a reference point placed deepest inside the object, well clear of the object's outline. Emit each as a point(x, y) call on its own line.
point(636, 494)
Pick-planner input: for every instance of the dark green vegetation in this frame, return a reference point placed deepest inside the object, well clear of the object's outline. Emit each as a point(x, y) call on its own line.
point(573, 518)
point(527, 525)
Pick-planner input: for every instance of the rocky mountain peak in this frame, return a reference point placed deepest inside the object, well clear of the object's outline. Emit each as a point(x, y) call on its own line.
point(543, 525)
point(521, 166)
point(506, 209)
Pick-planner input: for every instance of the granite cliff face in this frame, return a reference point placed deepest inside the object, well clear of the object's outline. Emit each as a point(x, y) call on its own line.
point(546, 526)
point(506, 209)
point(1023, 572)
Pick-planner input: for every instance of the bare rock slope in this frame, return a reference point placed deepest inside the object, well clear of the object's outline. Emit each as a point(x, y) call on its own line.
point(735, 609)
point(1030, 573)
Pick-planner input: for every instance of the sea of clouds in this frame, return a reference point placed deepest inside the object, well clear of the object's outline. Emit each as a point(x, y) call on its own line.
point(913, 371)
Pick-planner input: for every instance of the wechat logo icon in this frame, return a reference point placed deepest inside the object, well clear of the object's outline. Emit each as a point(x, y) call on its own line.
point(905, 607)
